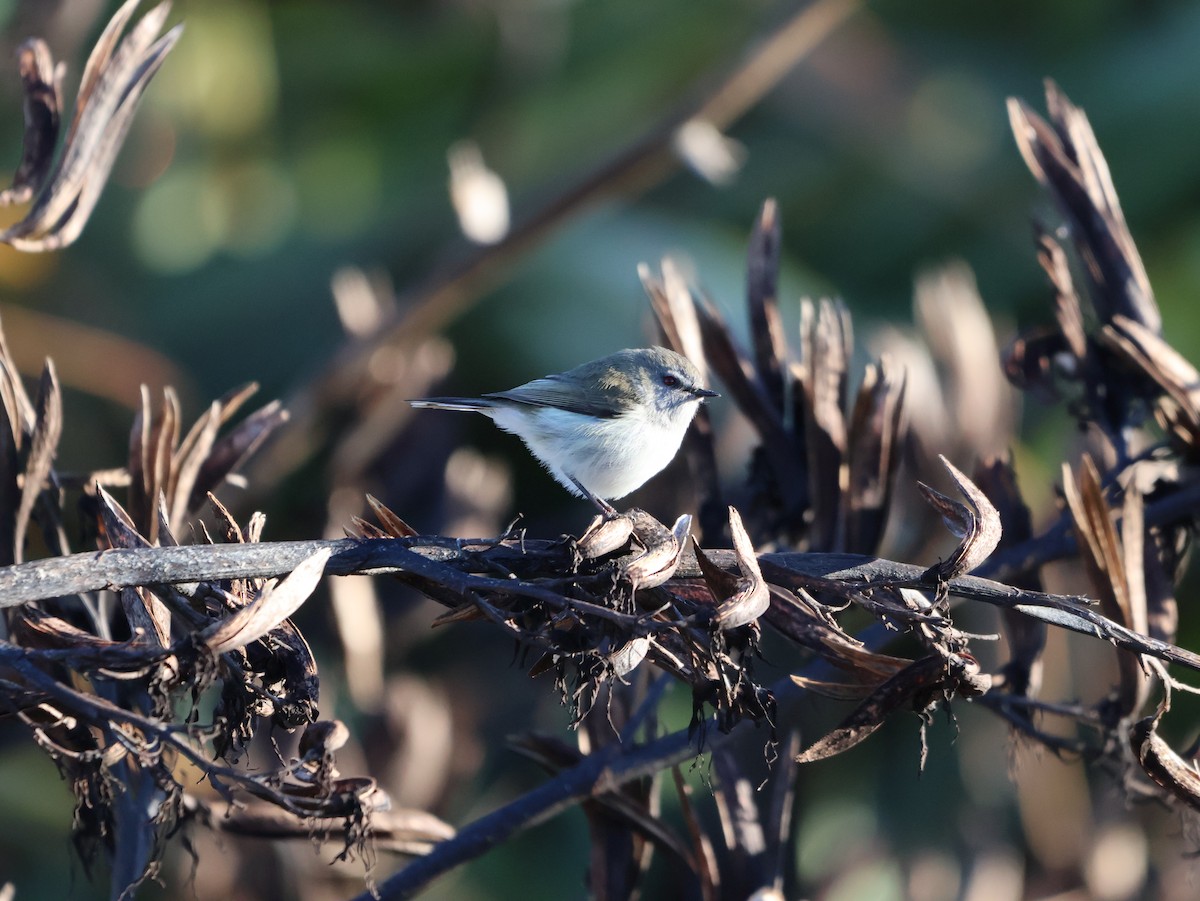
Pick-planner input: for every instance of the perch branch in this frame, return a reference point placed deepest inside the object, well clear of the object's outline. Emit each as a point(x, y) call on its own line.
point(449, 564)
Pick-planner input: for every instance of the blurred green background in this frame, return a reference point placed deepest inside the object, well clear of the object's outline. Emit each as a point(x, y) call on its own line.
point(283, 140)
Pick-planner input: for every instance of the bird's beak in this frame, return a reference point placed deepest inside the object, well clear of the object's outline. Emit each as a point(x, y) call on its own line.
point(704, 393)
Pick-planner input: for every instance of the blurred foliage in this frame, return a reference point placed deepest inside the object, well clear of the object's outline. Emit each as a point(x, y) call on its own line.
point(284, 139)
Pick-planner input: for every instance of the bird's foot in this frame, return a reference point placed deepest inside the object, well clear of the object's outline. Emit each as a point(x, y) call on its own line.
point(607, 510)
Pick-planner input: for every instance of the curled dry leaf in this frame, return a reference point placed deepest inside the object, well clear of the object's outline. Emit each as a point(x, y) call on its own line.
point(1067, 308)
point(188, 460)
point(604, 535)
point(113, 81)
point(41, 81)
point(977, 523)
point(740, 600)
point(1162, 764)
point(150, 443)
point(275, 604)
point(664, 549)
point(194, 449)
point(233, 531)
point(626, 658)
point(182, 471)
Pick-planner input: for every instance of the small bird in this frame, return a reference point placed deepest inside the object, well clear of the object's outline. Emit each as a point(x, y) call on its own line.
point(603, 428)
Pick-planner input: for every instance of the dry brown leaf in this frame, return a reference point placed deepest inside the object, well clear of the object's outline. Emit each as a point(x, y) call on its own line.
point(116, 74)
point(826, 341)
point(275, 604)
point(673, 307)
point(233, 532)
point(113, 81)
point(465, 612)
point(10, 469)
point(1104, 557)
point(1067, 308)
point(1162, 764)
point(188, 460)
point(664, 550)
point(766, 326)
point(392, 524)
point(961, 339)
point(116, 525)
point(875, 443)
point(977, 523)
point(43, 445)
point(1147, 352)
point(41, 82)
point(625, 659)
point(750, 597)
point(147, 615)
point(739, 600)
point(736, 374)
point(604, 535)
point(1098, 539)
point(1026, 635)
point(234, 447)
point(921, 677)
point(35, 628)
point(837, 691)
point(1064, 156)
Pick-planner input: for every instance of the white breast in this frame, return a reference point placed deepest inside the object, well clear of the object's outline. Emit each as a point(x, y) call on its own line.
point(610, 457)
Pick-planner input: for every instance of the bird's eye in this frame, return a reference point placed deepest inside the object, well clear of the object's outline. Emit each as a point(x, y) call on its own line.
point(670, 381)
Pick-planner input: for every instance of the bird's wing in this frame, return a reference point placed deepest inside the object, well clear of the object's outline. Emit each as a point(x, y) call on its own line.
point(602, 401)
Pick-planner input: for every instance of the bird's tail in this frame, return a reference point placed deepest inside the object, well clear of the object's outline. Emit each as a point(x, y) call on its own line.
point(468, 404)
